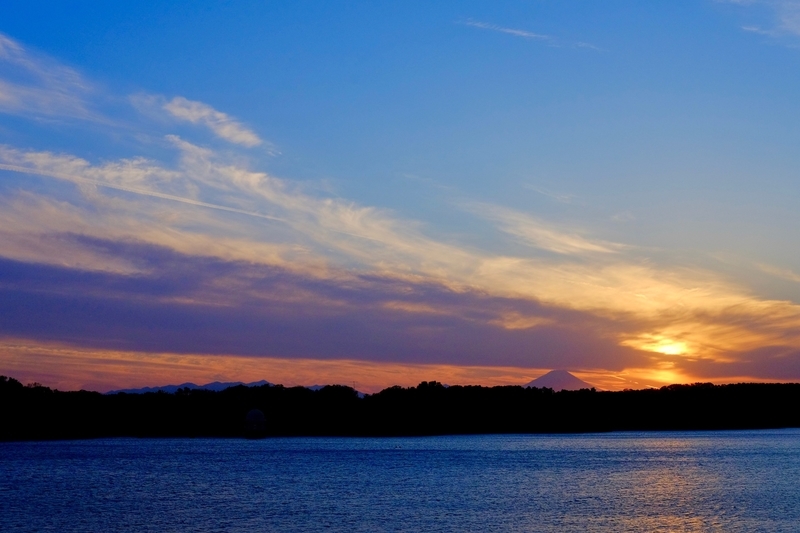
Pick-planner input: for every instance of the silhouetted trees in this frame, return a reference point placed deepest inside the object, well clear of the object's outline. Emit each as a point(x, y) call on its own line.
point(37, 412)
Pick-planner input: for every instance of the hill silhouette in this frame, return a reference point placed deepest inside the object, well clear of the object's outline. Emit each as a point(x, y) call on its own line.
point(36, 412)
point(172, 389)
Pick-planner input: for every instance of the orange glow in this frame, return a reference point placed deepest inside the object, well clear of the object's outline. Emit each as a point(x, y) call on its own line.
point(658, 344)
point(70, 368)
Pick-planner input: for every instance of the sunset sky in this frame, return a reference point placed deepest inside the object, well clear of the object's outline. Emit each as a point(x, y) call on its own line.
point(379, 193)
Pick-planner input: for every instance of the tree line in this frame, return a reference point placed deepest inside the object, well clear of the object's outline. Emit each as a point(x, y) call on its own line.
point(35, 412)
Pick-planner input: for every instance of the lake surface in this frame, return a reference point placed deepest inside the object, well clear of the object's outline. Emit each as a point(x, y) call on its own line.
point(708, 481)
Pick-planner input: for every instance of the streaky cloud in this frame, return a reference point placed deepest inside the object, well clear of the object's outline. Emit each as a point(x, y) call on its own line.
point(224, 126)
point(126, 188)
point(510, 31)
point(184, 304)
point(539, 234)
point(32, 84)
point(786, 14)
point(782, 273)
point(558, 197)
point(524, 34)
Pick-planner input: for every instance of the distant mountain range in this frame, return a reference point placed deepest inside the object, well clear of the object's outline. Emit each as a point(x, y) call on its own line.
point(559, 380)
point(216, 386)
point(172, 389)
point(555, 379)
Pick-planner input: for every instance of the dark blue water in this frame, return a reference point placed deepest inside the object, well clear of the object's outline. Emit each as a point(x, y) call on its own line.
point(715, 481)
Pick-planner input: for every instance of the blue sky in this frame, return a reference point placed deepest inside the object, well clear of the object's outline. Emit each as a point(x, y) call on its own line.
point(605, 187)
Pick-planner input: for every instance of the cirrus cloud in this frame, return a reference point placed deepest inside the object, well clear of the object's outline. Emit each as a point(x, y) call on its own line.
point(31, 84)
point(224, 126)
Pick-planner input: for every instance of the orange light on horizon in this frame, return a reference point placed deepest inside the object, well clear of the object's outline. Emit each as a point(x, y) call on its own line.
point(71, 368)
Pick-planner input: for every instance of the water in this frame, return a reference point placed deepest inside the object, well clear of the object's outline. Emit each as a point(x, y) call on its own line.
point(711, 481)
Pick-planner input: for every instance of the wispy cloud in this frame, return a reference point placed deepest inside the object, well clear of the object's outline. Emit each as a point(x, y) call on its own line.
point(223, 125)
point(525, 34)
point(781, 273)
point(789, 16)
point(785, 13)
point(559, 197)
point(510, 31)
point(33, 84)
point(623, 216)
point(540, 234)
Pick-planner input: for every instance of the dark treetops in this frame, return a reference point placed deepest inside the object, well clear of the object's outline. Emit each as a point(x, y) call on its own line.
point(37, 412)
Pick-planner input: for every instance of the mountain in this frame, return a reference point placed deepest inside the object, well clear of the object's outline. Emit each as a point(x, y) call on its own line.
point(559, 380)
point(215, 386)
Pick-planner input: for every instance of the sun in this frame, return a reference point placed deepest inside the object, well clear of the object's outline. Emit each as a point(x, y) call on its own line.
point(671, 348)
point(658, 344)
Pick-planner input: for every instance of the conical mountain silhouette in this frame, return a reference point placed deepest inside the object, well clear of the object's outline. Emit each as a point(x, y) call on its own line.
point(559, 380)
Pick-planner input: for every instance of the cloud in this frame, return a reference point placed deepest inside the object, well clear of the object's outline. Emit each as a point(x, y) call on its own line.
point(212, 208)
point(185, 304)
point(781, 273)
point(223, 126)
point(623, 216)
point(788, 15)
point(35, 85)
point(511, 31)
point(540, 234)
point(524, 34)
point(761, 31)
point(31, 84)
point(558, 197)
point(785, 15)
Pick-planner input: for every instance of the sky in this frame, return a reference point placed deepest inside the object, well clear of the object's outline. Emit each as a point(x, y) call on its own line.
point(380, 193)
